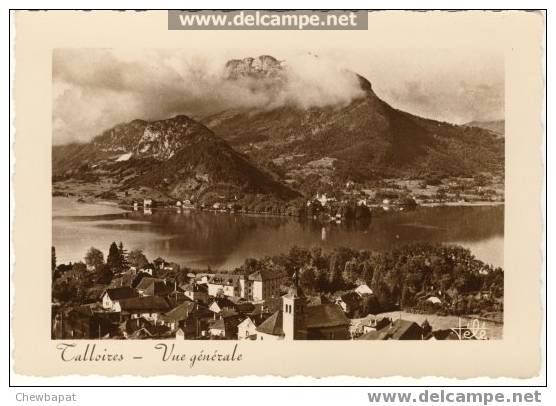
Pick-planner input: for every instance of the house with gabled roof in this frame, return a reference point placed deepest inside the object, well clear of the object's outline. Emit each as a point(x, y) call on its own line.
point(371, 323)
point(177, 316)
point(224, 324)
point(196, 292)
point(224, 284)
point(257, 286)
point(262, 284)
point(271, 328)
point(192, 318)
point(176, 298)
point(149, 286)
point(326, 322)
point(179, 334)
point(397, 330)
point(112, 296)
point(247, 330)
point(148, 307)
point(125, 279)
point(219, 304)
point(363, 290)
point(142, 328)
point(94, 294)
point(217, 328)
point(158, 288)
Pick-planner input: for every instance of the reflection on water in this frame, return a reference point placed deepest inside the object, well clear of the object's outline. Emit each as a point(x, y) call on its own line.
point(222, 240)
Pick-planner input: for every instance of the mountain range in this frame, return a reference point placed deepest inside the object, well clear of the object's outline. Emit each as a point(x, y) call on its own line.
point(274, 151)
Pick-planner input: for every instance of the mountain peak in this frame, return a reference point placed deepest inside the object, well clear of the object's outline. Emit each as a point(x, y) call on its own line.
point(262, 66)
point(177, 156)
point(181, 118)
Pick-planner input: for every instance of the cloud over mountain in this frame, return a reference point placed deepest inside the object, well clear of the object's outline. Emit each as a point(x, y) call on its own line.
point(95, 89)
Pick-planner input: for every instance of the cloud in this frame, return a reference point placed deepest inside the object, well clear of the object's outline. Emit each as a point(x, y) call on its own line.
point(459, 103)
point(95, 89)
point(453, 85)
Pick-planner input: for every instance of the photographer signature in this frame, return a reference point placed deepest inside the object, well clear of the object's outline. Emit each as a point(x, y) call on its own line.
point(472, 330)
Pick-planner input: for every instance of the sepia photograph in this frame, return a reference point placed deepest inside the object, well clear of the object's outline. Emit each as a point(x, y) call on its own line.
point(278, 194)
point(278, 197)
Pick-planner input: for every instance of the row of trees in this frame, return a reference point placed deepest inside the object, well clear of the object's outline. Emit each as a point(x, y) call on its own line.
point(400, 278)
point(70, 281)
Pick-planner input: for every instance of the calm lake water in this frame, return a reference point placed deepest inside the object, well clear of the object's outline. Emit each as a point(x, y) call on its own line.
point(221, 240)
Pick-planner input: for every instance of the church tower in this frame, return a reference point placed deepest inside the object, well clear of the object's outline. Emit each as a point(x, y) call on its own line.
point(293, 313)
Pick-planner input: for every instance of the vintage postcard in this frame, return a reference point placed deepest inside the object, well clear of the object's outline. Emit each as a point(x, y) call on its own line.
point(278, 193)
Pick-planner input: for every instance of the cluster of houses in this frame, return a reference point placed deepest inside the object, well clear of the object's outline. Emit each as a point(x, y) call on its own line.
point(186, 204)
point(139, 305)
point(148, 205)
point(400, 194)
point(385, 328)
point(373, 328)
point(366, 199)
point(208, 306)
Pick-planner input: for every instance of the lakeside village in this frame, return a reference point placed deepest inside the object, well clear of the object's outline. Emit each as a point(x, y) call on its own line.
point(305, 294)
point(342, 202)
point(354, 201)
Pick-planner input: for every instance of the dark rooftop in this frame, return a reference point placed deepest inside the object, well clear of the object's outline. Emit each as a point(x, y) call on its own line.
point(272, 325)
point(124, 292)
point(146, 303)
point(325, 315)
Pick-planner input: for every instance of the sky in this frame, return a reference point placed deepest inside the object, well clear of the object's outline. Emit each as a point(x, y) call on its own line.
point(95, 89)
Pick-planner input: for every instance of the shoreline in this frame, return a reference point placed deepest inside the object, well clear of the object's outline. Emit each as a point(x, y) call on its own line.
point(463, 204)
point(71, 206)
point(120, 208)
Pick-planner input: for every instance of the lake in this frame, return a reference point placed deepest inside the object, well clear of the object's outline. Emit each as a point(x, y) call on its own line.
point(223, 241)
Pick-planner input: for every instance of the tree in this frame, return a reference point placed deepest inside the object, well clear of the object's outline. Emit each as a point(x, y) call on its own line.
point(72, 289)
point(64, 292)
point(62, 268)
point(335, 281)
point(104, 275)
point(350, 272)
point(79, 268)
point(481, 180)
point(114, 259)
point(94, 258)
point(369, 305)
point(322, 280)
point(137, 259)
point(53, 263)
point(251, 265)
point(308, 278)
point(434, 180)
point(367, 273)
point(123, 255)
